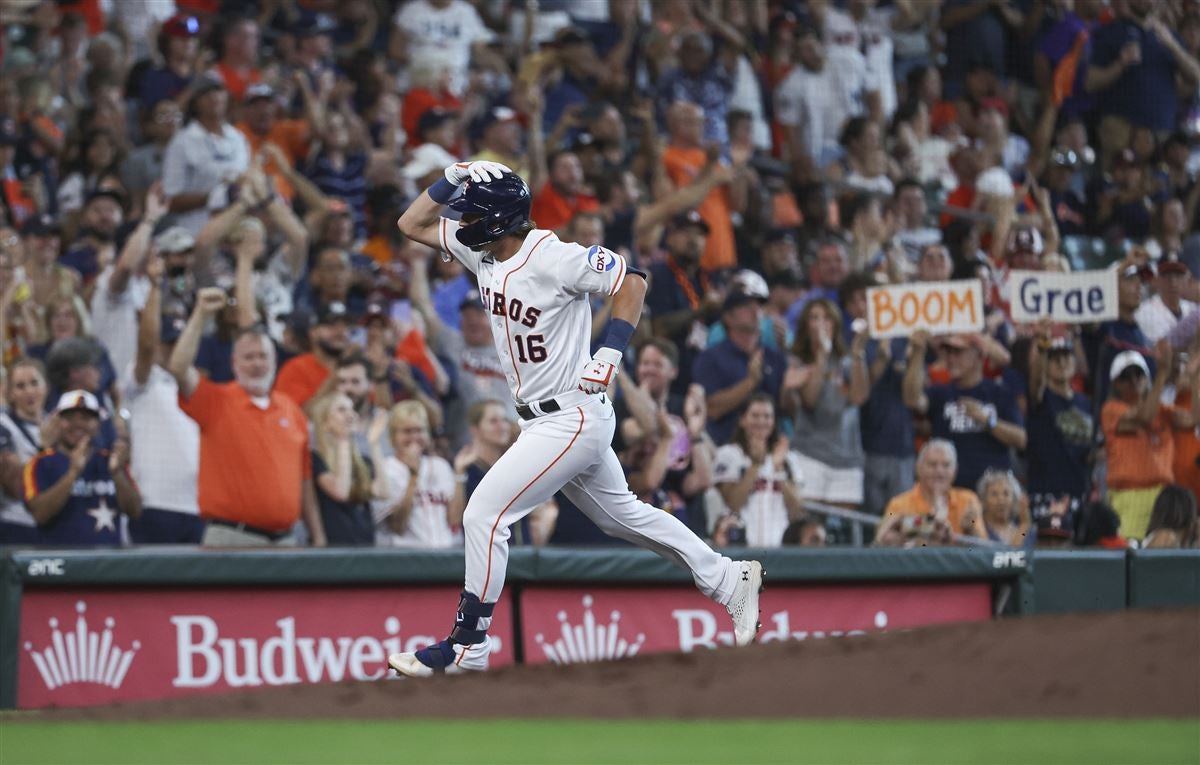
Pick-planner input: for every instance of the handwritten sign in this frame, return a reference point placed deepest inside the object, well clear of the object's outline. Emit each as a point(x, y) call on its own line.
point(899, 310)
point(1082, 297)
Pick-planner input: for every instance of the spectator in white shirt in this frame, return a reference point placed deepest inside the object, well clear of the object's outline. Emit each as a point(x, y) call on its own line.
point(165, 460)
point(121, 288)
point(207, 155)
point(21, 426)
point(818, 96)
point(866, 29)
point(1009, 151)
point(1159, 315)
point(912, 217)
point(421, 508)
point(450, 30)
point(758, 479)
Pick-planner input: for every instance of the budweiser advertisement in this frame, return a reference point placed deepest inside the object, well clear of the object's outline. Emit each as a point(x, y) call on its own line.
point(96, 647)
point(570, 625)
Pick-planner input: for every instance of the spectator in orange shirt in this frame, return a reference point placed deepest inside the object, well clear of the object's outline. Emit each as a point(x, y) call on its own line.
point(302, 377)
point(261, 125)
point(563, 195)
point(931, 511)
point(684, 159)
point(255, 477)
point(1138, 438)
point(238, 66)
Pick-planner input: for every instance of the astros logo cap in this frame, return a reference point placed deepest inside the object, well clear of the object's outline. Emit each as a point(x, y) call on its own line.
point(78, 399)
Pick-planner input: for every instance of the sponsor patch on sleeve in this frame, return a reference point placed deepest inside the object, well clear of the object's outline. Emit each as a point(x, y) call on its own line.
point(600, 259)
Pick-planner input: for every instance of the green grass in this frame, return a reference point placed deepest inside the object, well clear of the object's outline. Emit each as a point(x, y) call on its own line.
point(25, 739)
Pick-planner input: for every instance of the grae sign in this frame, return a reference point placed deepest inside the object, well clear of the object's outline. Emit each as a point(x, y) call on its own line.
point(1082, 297)
point(899, 310)
point(96, 647)
point(573, 625)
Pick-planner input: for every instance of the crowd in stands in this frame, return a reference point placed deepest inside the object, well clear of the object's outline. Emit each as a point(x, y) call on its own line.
point(213, 330)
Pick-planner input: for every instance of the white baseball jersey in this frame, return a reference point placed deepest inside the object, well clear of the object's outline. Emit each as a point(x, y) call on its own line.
point(538, 300)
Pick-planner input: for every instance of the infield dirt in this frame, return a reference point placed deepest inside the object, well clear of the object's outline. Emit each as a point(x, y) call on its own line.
point(1121, 665)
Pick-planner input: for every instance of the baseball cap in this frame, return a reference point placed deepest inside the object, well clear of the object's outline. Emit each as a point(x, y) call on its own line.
point(1025, 239)
point(957, 341)
point(335, 311)
point(78, 400)
point(1063, 343)
point(583, 140)
point(787, 278)
point(376, 309)
point(258, 91)
point(41, 225)
point(1061, 525)
point(495, 115)
point(427, 158)
point(206, 84)
point(318, 24)
point(112, 194)
point(298, 321)
point(471, 301)
point(432, 119)
point(175, 240)
point(181, 25)
point(994, 104)
point(736, 299)
point(1126, 360)
point(1143, 271)
point(689, 218)
point(779, 235)
point(752, 283)
point(1170, 263)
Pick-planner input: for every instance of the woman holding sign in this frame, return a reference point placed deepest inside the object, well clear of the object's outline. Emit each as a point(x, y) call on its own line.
point(822, 393)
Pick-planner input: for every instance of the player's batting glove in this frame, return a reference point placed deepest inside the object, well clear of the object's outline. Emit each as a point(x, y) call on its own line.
point(600, 371)
point(478, 171)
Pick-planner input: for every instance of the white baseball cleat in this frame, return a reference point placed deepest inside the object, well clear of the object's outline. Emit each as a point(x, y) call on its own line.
point(743, 607)
point(442, 658)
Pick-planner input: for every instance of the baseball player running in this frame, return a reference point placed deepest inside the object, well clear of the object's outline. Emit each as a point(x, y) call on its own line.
point(536, 288)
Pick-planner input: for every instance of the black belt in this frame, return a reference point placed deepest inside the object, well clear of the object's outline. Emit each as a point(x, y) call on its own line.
point(274, 536)
point(548, 406)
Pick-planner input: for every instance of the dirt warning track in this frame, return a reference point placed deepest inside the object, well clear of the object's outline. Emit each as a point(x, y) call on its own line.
point(1121, 664)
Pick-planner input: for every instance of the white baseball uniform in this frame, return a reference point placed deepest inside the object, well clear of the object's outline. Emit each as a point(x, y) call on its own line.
point(541, 324)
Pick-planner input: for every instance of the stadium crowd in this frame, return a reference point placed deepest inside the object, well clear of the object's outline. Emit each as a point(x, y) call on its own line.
point(213, 330)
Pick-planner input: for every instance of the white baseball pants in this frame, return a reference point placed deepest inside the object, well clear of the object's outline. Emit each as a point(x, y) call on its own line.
point(572, 450)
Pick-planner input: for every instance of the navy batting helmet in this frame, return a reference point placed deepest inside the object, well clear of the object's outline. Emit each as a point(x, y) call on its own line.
point(504, 205)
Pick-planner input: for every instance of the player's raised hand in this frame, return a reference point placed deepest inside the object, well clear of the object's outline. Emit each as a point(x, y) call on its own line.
point(598, 373)
point(478, 171)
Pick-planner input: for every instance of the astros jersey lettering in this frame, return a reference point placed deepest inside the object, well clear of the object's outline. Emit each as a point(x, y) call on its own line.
point(90, 515)
point(538, 301)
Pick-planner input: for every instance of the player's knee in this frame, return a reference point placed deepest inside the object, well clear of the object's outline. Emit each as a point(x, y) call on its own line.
point(477, 516)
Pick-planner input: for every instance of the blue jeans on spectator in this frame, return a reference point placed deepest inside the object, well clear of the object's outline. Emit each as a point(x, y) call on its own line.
point(166, 527)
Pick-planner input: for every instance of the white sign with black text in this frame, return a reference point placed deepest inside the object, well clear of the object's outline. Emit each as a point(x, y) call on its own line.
point(1083, 297)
